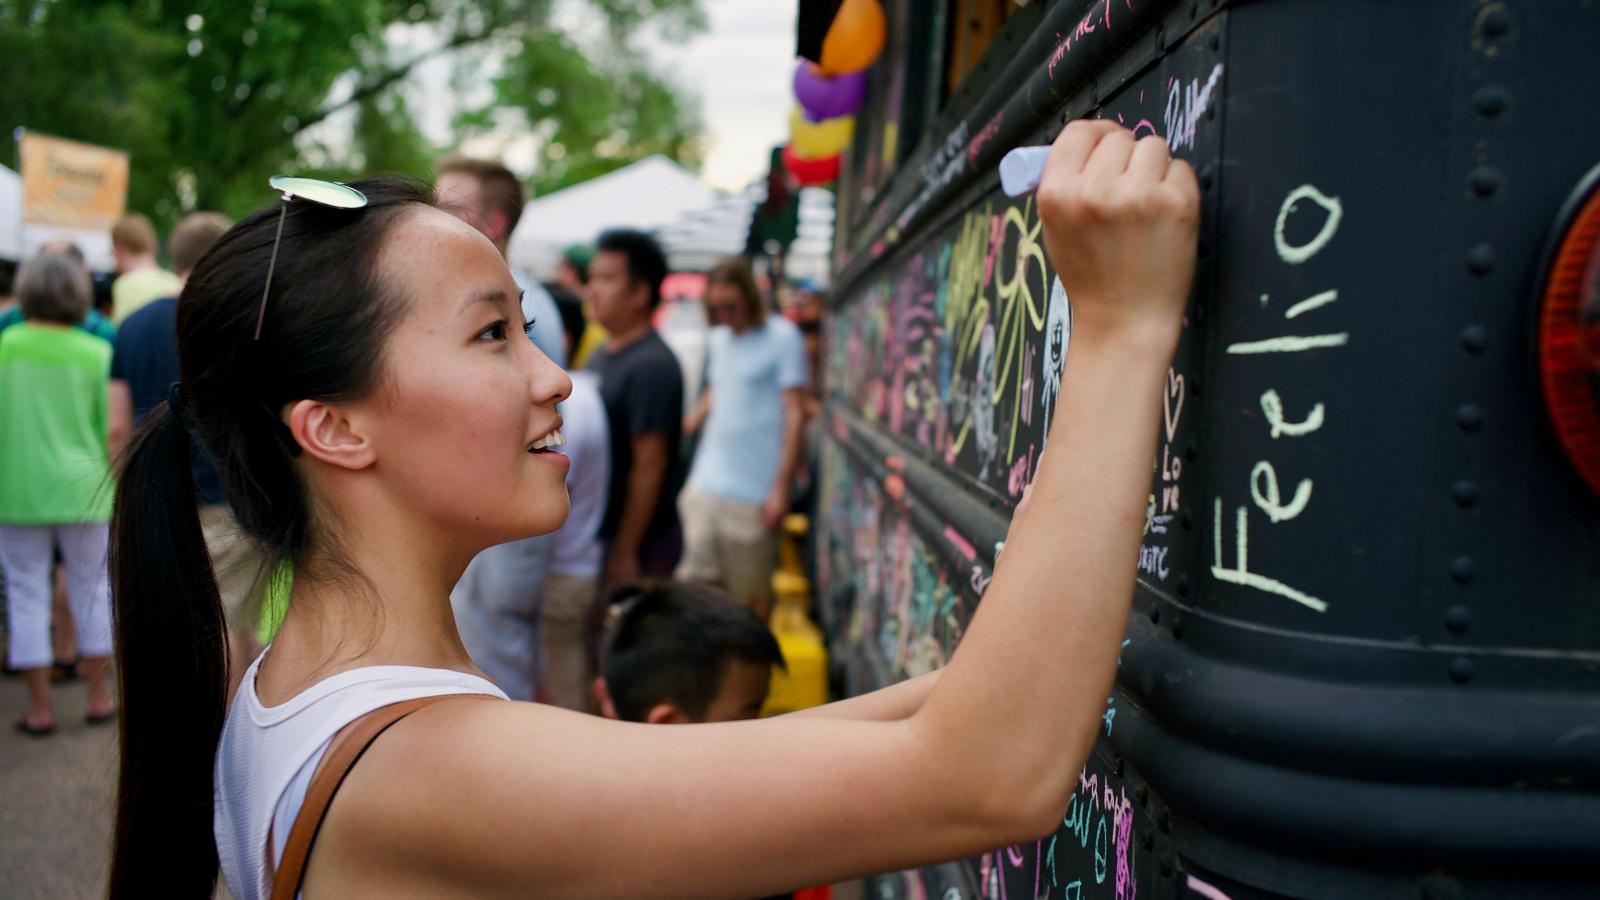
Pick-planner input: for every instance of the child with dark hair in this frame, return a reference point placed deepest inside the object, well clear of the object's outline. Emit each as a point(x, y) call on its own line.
point(686, 652)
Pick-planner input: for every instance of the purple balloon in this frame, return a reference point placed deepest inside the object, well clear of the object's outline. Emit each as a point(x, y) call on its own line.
point(825, 98)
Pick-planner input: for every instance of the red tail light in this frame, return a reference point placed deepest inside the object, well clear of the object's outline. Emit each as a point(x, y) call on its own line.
point(1569, 337)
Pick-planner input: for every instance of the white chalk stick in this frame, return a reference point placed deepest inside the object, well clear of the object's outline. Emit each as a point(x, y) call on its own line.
point(1021, 169)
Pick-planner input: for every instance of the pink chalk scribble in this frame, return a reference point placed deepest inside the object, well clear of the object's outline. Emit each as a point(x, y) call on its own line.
point(1127, 887)
point(989, 133)
point(962, 545)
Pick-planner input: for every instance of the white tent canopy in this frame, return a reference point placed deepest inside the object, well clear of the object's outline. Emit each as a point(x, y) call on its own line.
point(649, 194)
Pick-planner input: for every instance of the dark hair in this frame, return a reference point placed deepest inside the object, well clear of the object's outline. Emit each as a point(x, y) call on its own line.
point(326, 321)
point(673, 644)
point(735, 271)
point(193, 237)
point(54, 287)
point(646, 262)
point(501, 189)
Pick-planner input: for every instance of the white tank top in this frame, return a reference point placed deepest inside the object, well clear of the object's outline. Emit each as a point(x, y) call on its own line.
point(268, 754)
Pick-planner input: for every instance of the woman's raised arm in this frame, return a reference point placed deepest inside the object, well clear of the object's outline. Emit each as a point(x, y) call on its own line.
point(516, 800)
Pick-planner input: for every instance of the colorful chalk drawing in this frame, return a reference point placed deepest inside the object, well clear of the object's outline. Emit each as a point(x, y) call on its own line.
point(949, 350)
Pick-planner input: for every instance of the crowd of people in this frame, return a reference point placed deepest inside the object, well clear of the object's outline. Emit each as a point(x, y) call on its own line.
point(671, 514)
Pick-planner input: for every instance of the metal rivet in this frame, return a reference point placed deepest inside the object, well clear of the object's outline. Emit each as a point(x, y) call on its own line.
point(1186, 518)
point(1469, 417)
point(1474, 339)
point(1491, 101)
point(1214, 41)
point(1495, 22)
point(1480, 259)
point(1484, 180)
point(1155, 614)
point(1465, 493)
point(1183, 590)
point(1461, 670)
point(1458, 618)
point(1161, 38)
point(1463, 569)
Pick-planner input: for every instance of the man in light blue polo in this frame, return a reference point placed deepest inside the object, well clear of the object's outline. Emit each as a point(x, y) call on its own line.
point(752, 413)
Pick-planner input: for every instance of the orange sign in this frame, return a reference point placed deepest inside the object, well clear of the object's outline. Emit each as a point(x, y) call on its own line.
point(71, 185)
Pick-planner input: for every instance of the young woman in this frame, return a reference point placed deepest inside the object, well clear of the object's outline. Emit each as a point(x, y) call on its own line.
point(386, 427)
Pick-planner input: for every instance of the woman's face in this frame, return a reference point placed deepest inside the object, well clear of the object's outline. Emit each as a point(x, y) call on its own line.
point(466, 396)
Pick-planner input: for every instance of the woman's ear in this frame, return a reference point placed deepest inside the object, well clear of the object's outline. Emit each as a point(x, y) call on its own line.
point(329, 434)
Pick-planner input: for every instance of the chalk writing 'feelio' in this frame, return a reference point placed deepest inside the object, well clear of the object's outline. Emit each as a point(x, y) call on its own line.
point(1265, 490)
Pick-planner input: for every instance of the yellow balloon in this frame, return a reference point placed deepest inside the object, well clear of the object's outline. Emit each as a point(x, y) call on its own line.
point(817, 140)
point(854, 39)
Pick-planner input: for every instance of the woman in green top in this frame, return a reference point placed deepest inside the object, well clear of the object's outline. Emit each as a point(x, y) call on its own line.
point(55, 489)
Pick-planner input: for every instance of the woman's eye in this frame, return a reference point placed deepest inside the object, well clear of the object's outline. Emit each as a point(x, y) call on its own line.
point(495, 332)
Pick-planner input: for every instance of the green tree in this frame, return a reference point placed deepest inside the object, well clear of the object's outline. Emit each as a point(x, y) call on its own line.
point(211, 97)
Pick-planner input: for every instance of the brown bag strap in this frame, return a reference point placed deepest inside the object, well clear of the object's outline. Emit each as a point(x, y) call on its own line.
point(347, 747)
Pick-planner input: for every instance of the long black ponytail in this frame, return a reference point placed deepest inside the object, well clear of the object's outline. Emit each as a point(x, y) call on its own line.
point(327, 318)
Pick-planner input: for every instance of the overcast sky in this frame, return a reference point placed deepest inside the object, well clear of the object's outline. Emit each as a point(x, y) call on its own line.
point(739, 70)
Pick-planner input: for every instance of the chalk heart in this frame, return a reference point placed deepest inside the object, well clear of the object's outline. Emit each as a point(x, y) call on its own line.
point(1172, 407)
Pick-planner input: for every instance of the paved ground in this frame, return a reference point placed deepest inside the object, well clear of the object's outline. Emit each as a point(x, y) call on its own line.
point(56, 795)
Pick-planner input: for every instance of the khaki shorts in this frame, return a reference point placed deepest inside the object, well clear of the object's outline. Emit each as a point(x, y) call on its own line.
point(725, 543)
point(236, 562)
point(569, 628)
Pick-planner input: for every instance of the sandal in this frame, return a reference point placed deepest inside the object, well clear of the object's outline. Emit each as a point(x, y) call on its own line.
point(109, 715)
point(34, 730)
point(63, 671)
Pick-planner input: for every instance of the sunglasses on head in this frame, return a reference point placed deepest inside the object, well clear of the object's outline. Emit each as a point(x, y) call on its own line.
point(327, 193)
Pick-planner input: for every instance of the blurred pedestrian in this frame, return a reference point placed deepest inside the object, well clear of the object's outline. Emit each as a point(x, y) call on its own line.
point(571, 610)
point(572, 273)
point(93, 322)
point(140, 279)
point(753, 414)
point(487, 196)
point(55, 489)
point(681, 653)
point(642, 386)
point(144, 365)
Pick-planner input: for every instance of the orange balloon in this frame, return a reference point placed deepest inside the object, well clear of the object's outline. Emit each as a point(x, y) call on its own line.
point(854, 39)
